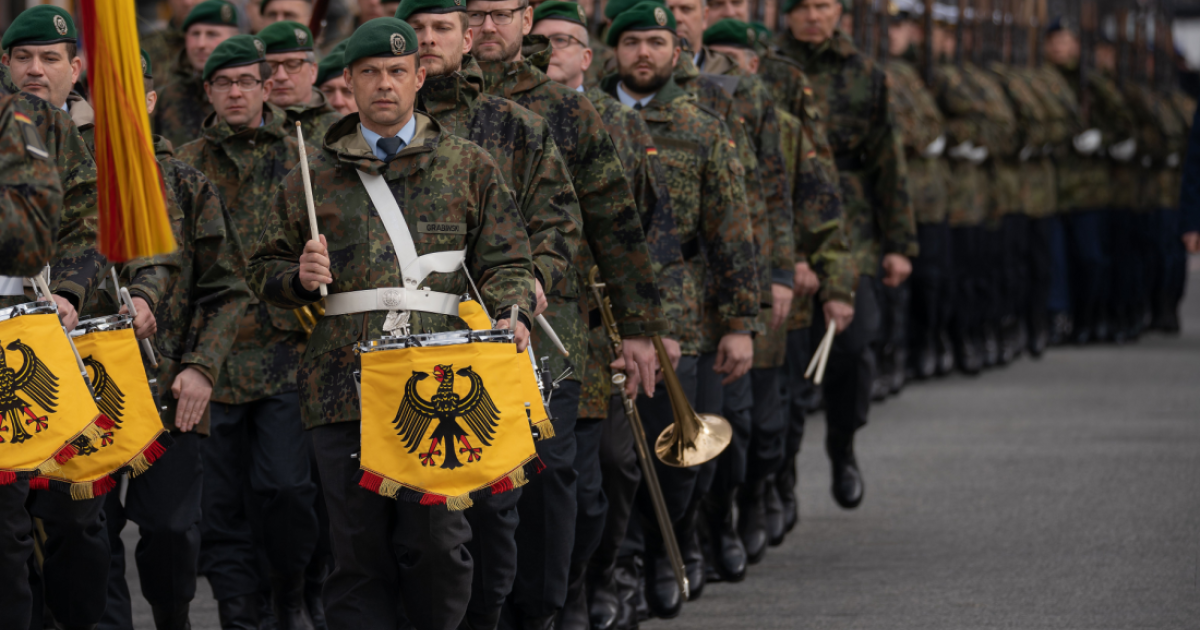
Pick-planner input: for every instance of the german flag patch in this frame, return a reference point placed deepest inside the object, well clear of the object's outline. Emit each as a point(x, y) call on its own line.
point(808, 91)
point(732, 144)
point(811, 154)
point(651, 151)
point(34, 146)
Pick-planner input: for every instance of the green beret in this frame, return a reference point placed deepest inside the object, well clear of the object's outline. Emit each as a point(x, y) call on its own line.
point(216, 12)
point(286, 36)
point(730, 32)
point(613, 8)
point(412, 7)
point(764, 33)
point(239, 50)
point(331, 66)
point(262, 6)
point(644, 16)
point(558, 10)
point(40, 25)
point(147, 67)
point(380, 37)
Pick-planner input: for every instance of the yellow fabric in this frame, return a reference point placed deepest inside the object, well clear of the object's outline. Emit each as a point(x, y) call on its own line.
point(44, 401)
point(471, 312)
point(114, 363)
point(472, 391)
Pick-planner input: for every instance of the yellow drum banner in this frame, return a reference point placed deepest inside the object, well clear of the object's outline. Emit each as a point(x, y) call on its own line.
point(114, 363)
point(47, 414)
point(473, 314)
point(459, 424)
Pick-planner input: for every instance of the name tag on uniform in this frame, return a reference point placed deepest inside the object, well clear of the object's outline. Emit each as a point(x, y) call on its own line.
point(429, 227)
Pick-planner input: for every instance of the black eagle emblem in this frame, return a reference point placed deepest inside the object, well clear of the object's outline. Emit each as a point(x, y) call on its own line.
point(34, 381)
point(110, 399)
point(477, 411)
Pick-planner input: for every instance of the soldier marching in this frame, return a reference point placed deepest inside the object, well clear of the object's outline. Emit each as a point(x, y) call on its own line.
point(679, 213)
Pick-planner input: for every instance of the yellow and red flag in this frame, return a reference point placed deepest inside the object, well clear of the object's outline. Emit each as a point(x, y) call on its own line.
point(114, 363)
point(131, 206)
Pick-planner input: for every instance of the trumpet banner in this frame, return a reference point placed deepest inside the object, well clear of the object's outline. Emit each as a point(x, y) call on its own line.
point(440, 424)
point(47, 414)
point(136, 440)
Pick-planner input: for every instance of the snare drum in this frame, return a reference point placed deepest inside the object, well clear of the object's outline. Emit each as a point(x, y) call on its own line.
point(446, 414)
point(135, 438)
point(46, 410)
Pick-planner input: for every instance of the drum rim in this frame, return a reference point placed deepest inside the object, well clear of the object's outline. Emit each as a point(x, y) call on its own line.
point(28, 308)
point(102, 324)
point(434, 340)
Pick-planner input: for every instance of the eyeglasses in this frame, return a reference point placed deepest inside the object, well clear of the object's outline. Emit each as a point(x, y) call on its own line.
point(563, 40)
point(500, 16)
point(292, 66)
point(222, 84)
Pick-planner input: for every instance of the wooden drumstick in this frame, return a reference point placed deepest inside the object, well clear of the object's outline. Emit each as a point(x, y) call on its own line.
point(308, 196)
point(825, 353)
point(816, 358)
point(40, 282)
point(127, 300)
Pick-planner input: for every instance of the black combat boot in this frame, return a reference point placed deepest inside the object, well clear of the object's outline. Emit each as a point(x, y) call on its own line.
point(847, 480)
point(752, 520)
point(287, 601)
point(239, 613)
point(171, 616)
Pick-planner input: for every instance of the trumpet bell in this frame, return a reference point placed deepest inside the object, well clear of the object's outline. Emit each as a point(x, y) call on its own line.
point(713, 434)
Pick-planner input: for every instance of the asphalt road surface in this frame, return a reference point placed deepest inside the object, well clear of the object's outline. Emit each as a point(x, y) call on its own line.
point(1054, 494)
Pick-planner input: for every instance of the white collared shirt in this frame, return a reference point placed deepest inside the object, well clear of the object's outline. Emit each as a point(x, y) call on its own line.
point(628, 100)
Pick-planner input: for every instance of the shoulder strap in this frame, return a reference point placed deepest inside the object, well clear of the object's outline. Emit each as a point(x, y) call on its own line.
point(413, 268)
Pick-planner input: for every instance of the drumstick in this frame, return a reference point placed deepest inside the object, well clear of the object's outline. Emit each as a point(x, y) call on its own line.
point(825, 354)
point(123, 293)
point(308, 196)
point(816, 357)
point(44, 289)
point(512, 317)
point(541, 320)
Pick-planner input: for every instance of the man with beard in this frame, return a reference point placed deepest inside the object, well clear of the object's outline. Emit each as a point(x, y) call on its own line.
point(293, 75)
point(604, 453)
point(183, 105)
point(705, 179)
point(617, 241)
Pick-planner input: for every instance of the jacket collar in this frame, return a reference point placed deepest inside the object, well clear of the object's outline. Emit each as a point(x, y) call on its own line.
point(509, 78)
point(162, 147)
point(315, 103)
point(838, 44)
point(659, 108)
point(347, 146)
point(450, 98)
point(219, 131)
point(81, 111)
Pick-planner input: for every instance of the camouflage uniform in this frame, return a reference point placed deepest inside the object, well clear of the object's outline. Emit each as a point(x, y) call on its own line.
point(921, 128)
point(315, 117)
point(617, 243)
point(182, 104)
point(437, 177)
point(30, 195)
point(245, 166)
point(165, 46)
point(610, 219)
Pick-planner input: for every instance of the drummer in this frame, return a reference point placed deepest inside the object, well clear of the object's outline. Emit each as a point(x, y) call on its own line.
point(452, 197)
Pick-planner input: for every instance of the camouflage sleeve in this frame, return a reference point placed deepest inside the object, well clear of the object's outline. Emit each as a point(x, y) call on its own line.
point(30, 197)
point(888, 175)
point(79, 266)
point(150, 279)
point(613, 229)
point(275, 262)
point(728, 237)
point(1109, 111)
point(819, 228)
point(777, 195)
point(551, 212)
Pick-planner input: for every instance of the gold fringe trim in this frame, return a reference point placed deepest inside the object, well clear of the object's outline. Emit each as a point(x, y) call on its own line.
point(518, 477)
point(49, 467)
point(92, 433)
point(545, 430)
point(389, 488)
point(459, 503)
point(138, 465)
point(81, 491)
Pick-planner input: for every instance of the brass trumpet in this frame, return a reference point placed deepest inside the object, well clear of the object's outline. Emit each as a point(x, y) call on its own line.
point(308, 315)
point(694, 438)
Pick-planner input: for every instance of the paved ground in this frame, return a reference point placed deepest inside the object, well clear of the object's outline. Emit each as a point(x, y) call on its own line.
point(1062, 493)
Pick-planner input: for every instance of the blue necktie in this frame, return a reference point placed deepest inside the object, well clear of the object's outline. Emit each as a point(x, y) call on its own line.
point(391, 146)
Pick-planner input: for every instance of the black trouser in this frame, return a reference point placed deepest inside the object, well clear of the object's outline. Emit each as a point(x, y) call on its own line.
point(621, 476)
point(1126, 267)
point(930, 286)
point(387, 550)
point(768, 439)
point(16, 547)
point(737, 405)
point(710, 398)
point(1089, 248)
point(591, 502)
point(969, 292)
point(165, 504)
point(677, 483)
point(991, 268)
point(1039, 272)
point(76, 556)
point(1171, 260)
point(893, 316)
point(848, 372)
point(799, 353)
point(546, 534)
point(1015, 235)
point(259, 494)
